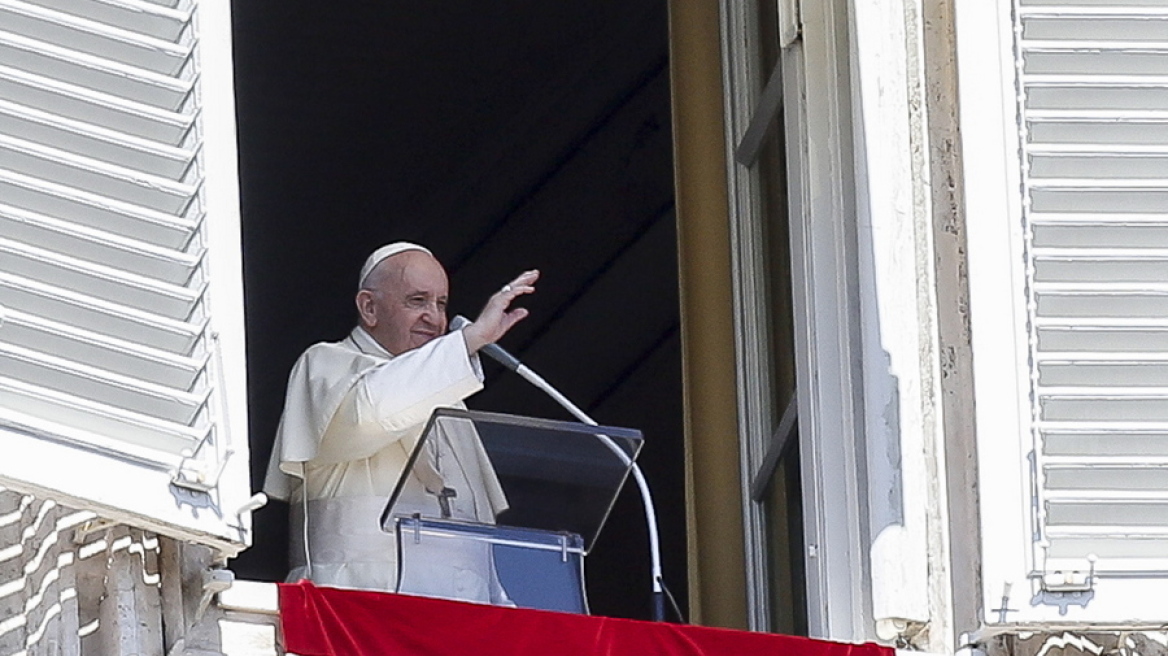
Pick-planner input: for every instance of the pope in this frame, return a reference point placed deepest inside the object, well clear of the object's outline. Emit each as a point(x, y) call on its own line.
point(355, 409)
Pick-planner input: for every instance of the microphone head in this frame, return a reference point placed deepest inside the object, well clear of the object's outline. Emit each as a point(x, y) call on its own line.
point(459, 322)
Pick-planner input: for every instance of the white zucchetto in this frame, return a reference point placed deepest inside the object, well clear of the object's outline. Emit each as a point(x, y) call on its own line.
point(385, 251)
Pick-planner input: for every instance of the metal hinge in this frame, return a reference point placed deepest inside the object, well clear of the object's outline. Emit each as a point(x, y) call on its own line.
point(195, 474)
point(1065, 586)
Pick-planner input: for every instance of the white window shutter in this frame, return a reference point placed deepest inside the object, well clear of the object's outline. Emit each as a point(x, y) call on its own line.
point(1076, 527)
point(121, 330)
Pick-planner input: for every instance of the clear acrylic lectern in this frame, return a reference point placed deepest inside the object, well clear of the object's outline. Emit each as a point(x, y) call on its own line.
point(501, 509)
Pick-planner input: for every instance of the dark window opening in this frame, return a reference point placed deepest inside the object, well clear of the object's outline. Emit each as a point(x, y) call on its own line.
point(504, 136)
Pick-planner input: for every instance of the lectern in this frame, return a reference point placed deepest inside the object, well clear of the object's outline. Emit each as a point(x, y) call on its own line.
point(502, 509)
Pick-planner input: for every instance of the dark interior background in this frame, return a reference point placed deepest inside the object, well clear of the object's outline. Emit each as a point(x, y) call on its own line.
point(504, 135)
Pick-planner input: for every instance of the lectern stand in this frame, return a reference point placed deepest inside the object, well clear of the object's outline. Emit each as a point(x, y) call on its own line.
point(502, 509)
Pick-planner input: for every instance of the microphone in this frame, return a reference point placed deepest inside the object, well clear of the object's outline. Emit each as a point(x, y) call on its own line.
point(494, 351)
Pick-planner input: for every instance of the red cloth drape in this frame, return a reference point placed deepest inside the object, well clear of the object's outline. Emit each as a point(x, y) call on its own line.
point(333, 622)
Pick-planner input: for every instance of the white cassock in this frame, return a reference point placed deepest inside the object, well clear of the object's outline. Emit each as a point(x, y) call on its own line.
point(352, 416)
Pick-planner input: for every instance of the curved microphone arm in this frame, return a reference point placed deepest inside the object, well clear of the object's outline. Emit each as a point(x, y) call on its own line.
point(646, 497)
point(512, 363)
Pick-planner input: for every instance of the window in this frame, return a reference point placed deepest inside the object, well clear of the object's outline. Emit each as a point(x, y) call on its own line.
point(1065, 123)
point(121, 337)
point(794, 260)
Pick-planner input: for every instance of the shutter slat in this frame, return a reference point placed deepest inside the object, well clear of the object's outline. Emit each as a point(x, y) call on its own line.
point(1079, 63)
point(1130, 168)
point(101, 282)
point(1103, 340)
point(1089, 323)
point(1129, 462)
point(113, 354)
point(1113, 406)
point(1138, 553)
point(1117, 97)
point(131, 255)
point(96, 177)
point(90, 106)
point(1090, 46)
point(92, 37)
point(1102, 149)
point(98, 143)
point(1084, 129)
point(1103, 391)
point(90, 72)
point(101, 386)
point(1100, 185)
point(1102, 253)
point(156, 454)
point(1047, 357)
point(1104, 445)
point(106, 423)
point(1091, 375)
point(1064, 269)
point(1102, 426)
point(95, 211)
point(1096, 115)
point(1105, 232)
point(1086, 86)
point(1106, 481)
point(1096, 9)
point(1141, 197)
point(107, 318)
point(1148, 516)
point(1115, 302)
point(157, 19)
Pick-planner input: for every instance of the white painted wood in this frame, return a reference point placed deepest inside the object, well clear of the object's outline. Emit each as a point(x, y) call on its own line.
point(789, 22)
point(1063, 115)
point(248, 639)
point(902, 396)
point(121, 300)
point(225, 262)
point(249, 619)
point(743, 82)
point(993, 211)
point(251, 597)
point(822, 191)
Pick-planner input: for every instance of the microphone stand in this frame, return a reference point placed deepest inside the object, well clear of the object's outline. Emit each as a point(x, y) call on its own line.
point(646, 497)
point(511, 362)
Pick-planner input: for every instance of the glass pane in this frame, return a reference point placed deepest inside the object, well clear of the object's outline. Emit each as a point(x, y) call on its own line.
point(496, 469)
point(784, 513)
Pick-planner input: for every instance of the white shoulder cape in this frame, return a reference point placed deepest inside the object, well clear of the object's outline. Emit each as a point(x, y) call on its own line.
point(321, 378)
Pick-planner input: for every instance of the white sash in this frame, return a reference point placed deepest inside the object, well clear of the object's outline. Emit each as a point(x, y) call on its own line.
point(348, 549)
point(346, 546)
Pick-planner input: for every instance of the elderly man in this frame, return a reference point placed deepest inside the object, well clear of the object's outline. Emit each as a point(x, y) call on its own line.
point(356, 408)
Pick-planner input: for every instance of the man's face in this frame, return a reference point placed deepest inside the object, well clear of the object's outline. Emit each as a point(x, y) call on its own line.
point(404, 303)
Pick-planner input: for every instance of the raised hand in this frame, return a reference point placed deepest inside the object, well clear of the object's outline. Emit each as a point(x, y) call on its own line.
point(497, 316)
